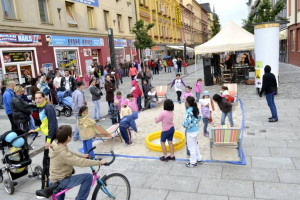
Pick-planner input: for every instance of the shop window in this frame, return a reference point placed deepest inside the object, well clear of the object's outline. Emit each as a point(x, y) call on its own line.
point(106, 19)
point(67, 59)
point(130, 23)
point(43, 9)
point(70, 14)
point(9, 9)
point(90, 12)
point(119, 18)
point(293, 40)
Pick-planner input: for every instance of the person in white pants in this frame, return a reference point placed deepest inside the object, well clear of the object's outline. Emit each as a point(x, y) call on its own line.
point(191, 123)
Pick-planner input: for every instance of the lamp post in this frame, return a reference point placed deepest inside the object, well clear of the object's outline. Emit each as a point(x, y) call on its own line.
point(112, 47)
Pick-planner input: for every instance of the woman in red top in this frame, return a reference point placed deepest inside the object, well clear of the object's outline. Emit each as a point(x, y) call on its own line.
point(132, 72)
point(184, 67)
point(169, 63)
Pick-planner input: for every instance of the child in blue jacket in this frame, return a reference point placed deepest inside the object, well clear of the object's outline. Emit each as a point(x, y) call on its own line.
point(125, 123)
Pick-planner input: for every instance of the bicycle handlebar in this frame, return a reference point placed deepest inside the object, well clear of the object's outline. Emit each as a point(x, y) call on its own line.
point(108, 163)
point(91, 149)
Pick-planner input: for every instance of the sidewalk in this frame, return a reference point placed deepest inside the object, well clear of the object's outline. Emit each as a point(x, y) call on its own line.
point(272, 152)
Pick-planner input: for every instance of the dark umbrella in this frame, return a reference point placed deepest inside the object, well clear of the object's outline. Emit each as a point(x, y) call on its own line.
point(166, 57)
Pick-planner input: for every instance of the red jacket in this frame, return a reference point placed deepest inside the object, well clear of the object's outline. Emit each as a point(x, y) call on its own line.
point(169, 62)
point(153, 64)
point(137, 92)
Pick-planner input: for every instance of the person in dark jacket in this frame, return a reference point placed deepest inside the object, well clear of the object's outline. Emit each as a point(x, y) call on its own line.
point(179, 63)
point(33, 88)
point(53, 95)
point(146, 89)
point(68, 82)
point(21, 110)
point(226, 109)
point(96, 95)
point(125, 123)
point(109, 88)
point(269, 87)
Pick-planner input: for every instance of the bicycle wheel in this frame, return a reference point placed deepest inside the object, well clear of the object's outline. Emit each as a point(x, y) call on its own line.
point(116, 184)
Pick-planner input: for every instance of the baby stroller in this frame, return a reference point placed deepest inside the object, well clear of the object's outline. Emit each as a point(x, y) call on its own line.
point(15, 151)
point(65, 101)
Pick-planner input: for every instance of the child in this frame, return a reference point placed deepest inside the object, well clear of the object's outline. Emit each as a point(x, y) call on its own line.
point(119, 99)
point(225, 93)
point(113, 112)
point(198, 89)
point(225, 107)
point(224, 90)
point(152, 99)
point(146, 89)
point(178, 82)
point(86, 80)
point(125, 110)
point(125, 123)
point(187, 93)
point(207, 107)
point(131, 103)
point(137, 93)
point(62, 161)
point(85, 127)
point(191, 123)
point(166, 117)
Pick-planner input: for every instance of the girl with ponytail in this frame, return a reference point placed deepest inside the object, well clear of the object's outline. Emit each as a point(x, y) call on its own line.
point(191, 123)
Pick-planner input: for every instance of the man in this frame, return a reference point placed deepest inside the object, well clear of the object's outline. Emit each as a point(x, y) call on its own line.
point(174, 61)
point(126, 68)
point(269, 86)
point(78, 100)
point(109, 88)
point(7, 98)
point(179, 63)
point(68, 82)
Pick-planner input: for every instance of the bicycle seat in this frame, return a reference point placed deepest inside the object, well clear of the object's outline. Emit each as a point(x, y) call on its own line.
point(46, 193)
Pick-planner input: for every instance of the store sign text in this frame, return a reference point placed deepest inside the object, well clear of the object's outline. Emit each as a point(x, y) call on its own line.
point(54, 40)
point(11, 39)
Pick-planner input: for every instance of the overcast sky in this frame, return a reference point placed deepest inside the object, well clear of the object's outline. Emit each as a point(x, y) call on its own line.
point(228, 10)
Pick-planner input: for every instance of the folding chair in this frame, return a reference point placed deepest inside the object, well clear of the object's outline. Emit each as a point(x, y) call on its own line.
point(161, 92)
point(232, 89)
point(107, 134)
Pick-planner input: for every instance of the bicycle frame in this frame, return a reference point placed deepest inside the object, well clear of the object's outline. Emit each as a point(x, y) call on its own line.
point(96, 178)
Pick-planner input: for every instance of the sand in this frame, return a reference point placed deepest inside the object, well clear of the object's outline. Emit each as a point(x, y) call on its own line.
point(146, 124)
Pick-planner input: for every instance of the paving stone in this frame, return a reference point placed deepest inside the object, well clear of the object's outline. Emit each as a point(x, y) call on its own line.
point(276, 191)
point(249, 174)
point(238, 198)
point(285, 152)
point(289, 176)
point(226, 187)
point(150, 167)
point(272, 162)
point(173, 183)
point(148, 194)
point(256, 151)
point(293, 143)
point(253, 142)
point(281, 136)
point(184, 196)
point(296, 162)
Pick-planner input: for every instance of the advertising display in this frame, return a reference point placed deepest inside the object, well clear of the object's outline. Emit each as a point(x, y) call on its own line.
point(9, 57)
point(266, 50)
point(69, 41)
point(12, 39)
point(120, 43)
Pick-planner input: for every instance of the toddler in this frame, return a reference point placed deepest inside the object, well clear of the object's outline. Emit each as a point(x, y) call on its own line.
point(188, 92)
point(120, 101)
point(152, 98)
point(225, 93)
point(198, 89)
point(125, 123)
point(131, 103)
point(137, 93)
point(207, 106)
point(125, 110)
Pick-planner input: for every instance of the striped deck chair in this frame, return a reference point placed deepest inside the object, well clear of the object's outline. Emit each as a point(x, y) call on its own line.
point(224, 136)
point(232, 89)
point(108, 134)
point(162, 92)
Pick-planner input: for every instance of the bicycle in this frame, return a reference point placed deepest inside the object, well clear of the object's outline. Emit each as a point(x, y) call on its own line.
point(111, 185)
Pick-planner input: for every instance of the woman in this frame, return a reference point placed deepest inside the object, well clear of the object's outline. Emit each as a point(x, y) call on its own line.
point(132, 72)
point(191, 123)
point(57, 81)
point(33, 88)
point(96, 95)
point(48, 127)
point(43, 86)
point(21, 110)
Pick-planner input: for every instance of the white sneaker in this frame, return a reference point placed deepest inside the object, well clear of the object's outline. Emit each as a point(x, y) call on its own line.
point(129, 145)
point(57, 117)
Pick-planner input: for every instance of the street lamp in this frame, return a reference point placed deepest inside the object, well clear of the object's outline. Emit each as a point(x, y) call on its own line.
point(112, 47)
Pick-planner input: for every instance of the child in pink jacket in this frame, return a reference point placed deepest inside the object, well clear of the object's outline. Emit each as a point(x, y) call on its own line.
point(119, 99)
point(131, 103)
point(187, 92)
point(198, 89)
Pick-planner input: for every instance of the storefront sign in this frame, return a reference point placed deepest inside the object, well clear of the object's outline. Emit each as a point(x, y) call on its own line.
point(147, 52)
point(89, 2)
point(16, 57)
point(11, 39)
point(120, 43)
point(55, 40)
point(178, 16)
point(155, 48)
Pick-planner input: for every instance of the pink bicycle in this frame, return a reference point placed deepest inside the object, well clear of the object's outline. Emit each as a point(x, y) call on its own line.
point(113, 186)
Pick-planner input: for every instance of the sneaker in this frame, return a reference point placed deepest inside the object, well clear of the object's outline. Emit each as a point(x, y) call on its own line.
point(57, 117)
point(200, 162)
point(273, 120)
point(97, 120)
point(102, 119)
point(163, 158)
point(131, 144)
point(190, 165)
point(171, 158)
point(206, 134)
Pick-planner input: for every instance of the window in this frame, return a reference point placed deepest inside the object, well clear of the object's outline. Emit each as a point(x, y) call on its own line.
point(293, 40)
point(119, 18)
point(130, 23)
point(106, 18)
point(90, 13)
point(70, 14)
point(9, 9)
point(43, 8)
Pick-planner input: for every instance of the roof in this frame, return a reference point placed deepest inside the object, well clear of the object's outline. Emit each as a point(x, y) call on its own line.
point(206, 7)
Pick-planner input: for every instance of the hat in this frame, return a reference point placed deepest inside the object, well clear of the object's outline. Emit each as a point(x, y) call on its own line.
point(205, 93)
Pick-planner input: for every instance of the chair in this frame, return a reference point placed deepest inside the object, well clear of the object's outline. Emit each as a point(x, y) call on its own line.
point(161, 92)
point(224, 136)
point(232, 89)
point(107, 134)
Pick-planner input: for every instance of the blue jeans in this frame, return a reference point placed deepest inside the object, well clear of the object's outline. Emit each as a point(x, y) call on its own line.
point(205, 122)
point(97, 114)
point(87, 145)
point(84, 180)
point(197, 96)
point(31, 123)
point(126, 134)
point(271, 104)
point(175, 69)
point(139, 102)
point(76, 132)
point(229, 114)
point(169, 69)
point(153, 71)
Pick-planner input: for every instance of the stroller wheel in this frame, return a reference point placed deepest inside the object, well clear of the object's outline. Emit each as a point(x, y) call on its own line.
point(68, 112)
point(38, 172)
point(57, 113)
point(9, 186)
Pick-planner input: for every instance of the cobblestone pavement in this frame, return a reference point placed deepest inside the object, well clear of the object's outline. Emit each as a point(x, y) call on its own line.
point(272, 152)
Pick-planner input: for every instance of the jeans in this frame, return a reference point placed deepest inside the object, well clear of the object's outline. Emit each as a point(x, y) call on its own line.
point(229, 114)
point(205, 122)
point(176, 70)
point(97, 114)
point(153, 71)
point(192, 145)
point(169, 69)
point(271, 104)
point(114, 121)
point(126, 134)
point(109, 102)
point(126, 71)
point(179, 68)
point(87, 145)
point(84, 180)
point(76, 132)
point(46, 167)
point(197, 97)
point(178, 95)
point(31, 123)
point(157, 70)
point(139, 102)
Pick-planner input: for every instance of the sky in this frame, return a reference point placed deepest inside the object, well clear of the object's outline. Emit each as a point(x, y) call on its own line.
point(228, 10)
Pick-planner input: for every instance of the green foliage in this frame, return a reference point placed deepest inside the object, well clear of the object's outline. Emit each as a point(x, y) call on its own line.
point(216, 27)
point(142, 39)
point(266, 12)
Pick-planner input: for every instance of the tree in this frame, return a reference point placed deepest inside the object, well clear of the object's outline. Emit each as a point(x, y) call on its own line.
point(142, 39)
point(216, 27)
point(265, 13)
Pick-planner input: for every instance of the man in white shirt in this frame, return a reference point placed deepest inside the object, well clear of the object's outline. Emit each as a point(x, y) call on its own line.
point(68, 82)
point(175, 64)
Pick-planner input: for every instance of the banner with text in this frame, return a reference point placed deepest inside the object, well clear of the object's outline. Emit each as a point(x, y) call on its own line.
point(89, 2)
point(13, 39)
point(69, 41)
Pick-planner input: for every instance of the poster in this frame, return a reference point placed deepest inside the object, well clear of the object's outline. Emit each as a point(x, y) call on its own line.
point(147, 52)
point(47, 67)
point(88, 64)
point(12, 39)
point(108, 59)
point(87, 52)
point(9, 57)
point(69, 41)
